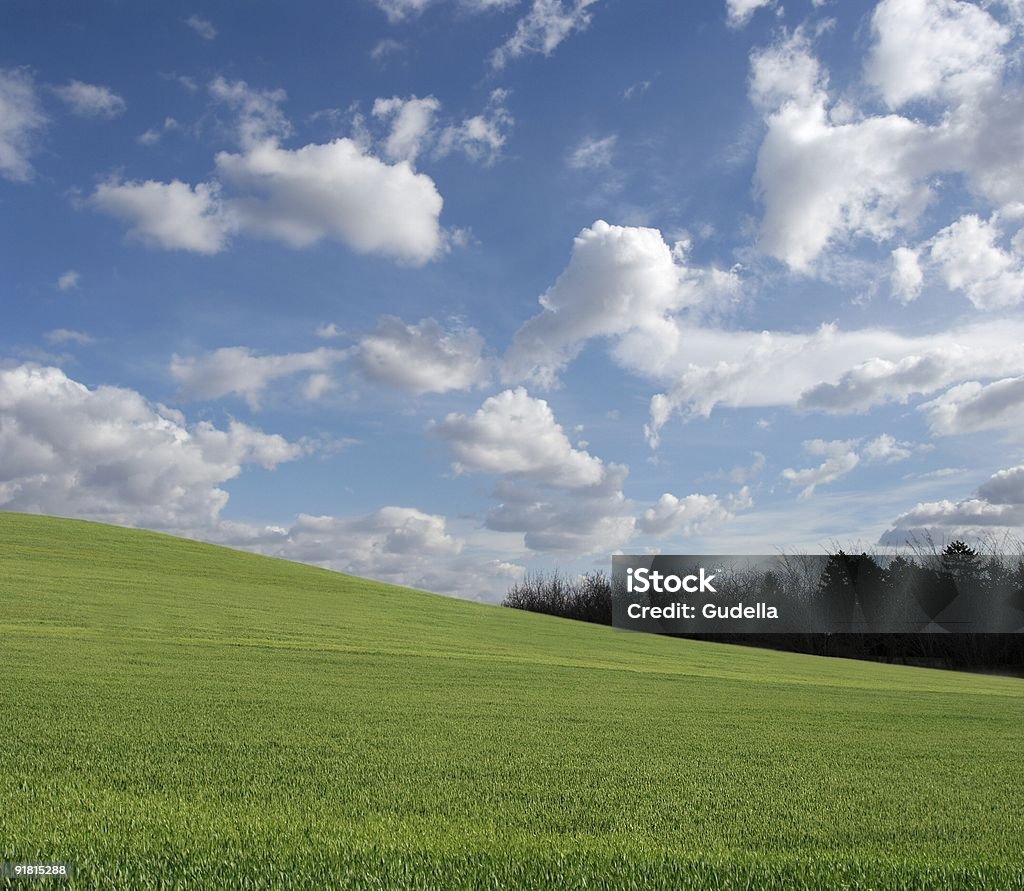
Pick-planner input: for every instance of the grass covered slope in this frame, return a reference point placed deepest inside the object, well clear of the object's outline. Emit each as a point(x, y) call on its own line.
point(178, 713)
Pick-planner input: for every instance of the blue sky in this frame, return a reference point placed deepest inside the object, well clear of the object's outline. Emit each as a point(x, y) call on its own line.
point(437, 291)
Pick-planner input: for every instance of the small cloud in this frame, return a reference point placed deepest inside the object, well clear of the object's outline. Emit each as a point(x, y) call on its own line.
point(400, 10)
point(543, 28)
point(154, 134)
point(336, 120)
point(739, 12)
point(238, 371)
point(907, 276)
point(637, 89)
point(187, 83)
point(507, 570)
point(593, 153)
point(203, 27)
point(259, 117)
point(941, 473)
point(66, 335)
point(423, 358)
point(324, 445)
point(90, 100)
point(482, 136)
point(741, 473)
point(411, 123)
point(174, 215)
point(21, 116)
point(329, 331)
point(886, 449)
point(384, 48)
point(317, 386)
point(68, 281)
point(840, 459)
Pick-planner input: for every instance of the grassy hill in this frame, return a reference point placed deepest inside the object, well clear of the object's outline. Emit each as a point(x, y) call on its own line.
point(178, 714)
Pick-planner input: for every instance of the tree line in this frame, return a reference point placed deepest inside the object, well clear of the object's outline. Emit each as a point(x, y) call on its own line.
point(926, 580)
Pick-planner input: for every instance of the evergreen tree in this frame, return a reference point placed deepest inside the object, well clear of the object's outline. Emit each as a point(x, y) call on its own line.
point(869, 580)
point(1017, 587)
point(836, 589)
point(961, 561)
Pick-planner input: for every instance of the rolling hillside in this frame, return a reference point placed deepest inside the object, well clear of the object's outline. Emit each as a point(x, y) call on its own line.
point(176, 713)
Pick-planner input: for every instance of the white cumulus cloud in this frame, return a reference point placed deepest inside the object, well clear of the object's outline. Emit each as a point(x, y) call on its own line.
point(591, 519)
point(203, 27)
point(258, 113)
point(559, 496)
point(996, 507)
point(397, 544)
point(543, 28)
point(423, 358)
point(401, 10)
point(907, 276)
point(480, 137)
point(840, 457)
point(970, 259)
point(593, 153)
point(823, 178)
point(239, 371)
point(411, 122)
point(517, 434)
point(690, 514)
point(335, 191)
point(398, 10)
point(829, 370)
point(828, 172)
point(21, 116)
point(173, 216)
point(107, 454)
point(68, 281)
point(973, 406)
point(886, 449)
point(619, 279)
point(739, 12)
point(91, 100)
point(416, 126)
point(925, 49)
point(69, 335)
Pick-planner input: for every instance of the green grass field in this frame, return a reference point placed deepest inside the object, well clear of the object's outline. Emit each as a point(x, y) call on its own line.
point(180, 715)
